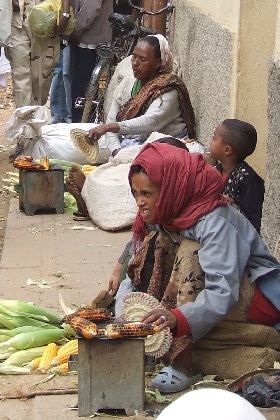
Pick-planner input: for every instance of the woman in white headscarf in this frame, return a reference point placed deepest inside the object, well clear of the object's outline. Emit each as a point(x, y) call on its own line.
point(152, 99)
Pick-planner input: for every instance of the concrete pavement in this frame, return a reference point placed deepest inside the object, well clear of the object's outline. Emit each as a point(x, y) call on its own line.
point(45, 255)
point(47, 250)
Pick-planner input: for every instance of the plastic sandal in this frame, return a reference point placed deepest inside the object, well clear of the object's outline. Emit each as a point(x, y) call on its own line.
point(170, 380)
point(78, 216)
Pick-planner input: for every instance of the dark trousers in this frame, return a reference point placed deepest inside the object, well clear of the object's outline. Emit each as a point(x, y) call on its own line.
point(83, 61)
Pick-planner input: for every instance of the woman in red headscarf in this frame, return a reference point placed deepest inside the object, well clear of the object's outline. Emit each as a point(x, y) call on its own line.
point(195, 260)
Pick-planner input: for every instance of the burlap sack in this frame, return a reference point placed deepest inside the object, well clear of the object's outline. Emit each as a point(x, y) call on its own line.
point(236, 345)
point(230, 363)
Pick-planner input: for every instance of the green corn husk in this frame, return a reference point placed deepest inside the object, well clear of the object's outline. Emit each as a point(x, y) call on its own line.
point(12, 322)
point(6, 354)
point(64, 163)
point(3, 338)
point(24, 328)
point(31, 339)
point(21, 357)
point(22, 308)
point(13, 370)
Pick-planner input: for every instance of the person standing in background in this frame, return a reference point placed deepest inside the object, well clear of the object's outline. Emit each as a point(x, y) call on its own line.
point(92, 27)
point(60, 96)
point(33, 59)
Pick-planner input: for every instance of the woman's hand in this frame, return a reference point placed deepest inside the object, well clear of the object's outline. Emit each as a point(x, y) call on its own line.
point(161, 317)
point(95, 133)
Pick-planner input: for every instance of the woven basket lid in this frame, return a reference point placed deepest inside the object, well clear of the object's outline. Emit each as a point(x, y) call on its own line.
point(135, 306)
point(89, 151)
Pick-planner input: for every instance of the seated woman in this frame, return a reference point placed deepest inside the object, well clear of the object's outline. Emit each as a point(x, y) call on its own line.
point(152, 100)
point(222, 271)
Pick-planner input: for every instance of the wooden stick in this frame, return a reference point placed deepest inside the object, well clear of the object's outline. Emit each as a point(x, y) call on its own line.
point(37, 393)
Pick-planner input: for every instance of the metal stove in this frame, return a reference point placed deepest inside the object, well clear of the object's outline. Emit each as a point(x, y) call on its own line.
point(41, 190)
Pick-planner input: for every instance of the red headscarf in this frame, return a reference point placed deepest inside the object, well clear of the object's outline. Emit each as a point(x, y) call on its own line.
point(189, 187)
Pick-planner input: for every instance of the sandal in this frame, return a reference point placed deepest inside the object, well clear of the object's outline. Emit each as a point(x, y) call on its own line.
point(78, 216)
point(170, 380)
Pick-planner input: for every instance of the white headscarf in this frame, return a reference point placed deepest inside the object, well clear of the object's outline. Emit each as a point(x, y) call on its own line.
point(166, 54)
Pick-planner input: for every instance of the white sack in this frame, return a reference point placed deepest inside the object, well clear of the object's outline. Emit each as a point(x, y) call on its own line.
point(26, 122)
point(55, 142)
point(29, 125)
point(107, 194)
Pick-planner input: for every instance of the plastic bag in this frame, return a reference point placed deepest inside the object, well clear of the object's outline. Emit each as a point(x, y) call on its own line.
point(26, 122)
point(45, 15)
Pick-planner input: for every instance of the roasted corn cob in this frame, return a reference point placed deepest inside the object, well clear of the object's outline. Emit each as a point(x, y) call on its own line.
point(49, 353)
point(134, 329)
point(98, 314)
point(64, 352)
point(83, 327)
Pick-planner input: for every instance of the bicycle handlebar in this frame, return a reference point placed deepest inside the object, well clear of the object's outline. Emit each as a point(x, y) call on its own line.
point(168, 8)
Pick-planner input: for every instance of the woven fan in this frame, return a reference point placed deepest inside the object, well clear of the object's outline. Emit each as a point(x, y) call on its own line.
point(135, 306)
point(89, 151)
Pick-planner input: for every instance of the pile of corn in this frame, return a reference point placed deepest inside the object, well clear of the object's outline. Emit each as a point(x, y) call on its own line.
point(26, 331)
point(54, 358)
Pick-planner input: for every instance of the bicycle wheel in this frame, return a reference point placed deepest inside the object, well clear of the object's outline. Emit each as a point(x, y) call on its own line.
point(94, 97)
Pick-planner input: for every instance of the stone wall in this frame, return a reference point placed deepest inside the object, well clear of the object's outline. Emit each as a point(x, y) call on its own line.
point(203, 50)
point(271, 210)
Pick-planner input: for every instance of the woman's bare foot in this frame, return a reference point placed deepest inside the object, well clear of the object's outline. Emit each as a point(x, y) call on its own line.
point(76, 192)
point(76, 177)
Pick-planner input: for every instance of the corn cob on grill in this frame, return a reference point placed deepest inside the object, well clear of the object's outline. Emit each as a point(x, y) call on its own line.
point(83, 327)
point(135, 329)
point(27, 162)
point(98, 314)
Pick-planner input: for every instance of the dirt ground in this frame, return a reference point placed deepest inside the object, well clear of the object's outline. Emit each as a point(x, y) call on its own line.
point(6, 109)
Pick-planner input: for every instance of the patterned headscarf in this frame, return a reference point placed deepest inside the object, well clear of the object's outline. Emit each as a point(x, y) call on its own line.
point(189, 187)
point(166, 55)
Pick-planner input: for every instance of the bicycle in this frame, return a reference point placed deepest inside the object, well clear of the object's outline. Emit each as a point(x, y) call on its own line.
point(130, 29)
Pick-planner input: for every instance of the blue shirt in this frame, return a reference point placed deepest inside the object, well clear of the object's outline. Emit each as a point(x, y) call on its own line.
point(230, 246)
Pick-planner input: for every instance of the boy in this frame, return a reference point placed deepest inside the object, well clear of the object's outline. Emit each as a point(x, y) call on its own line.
point(232, 142)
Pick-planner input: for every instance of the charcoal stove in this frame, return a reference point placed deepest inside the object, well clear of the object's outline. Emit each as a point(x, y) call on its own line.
point(110, 375)
point(41, 190)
